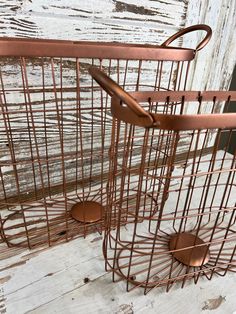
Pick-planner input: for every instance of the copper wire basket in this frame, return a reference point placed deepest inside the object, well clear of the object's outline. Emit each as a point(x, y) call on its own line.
point(55, 129)
point(174, 203)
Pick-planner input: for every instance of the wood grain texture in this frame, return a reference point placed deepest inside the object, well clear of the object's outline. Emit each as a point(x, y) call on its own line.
point(105, 20)
point(128, 21)
point(214, 65)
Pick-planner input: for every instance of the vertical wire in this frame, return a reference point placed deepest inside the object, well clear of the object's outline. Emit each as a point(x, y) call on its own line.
point(22, 65)
point(125, 73)
point(7, 125)
point(117, 216)
point(139, 74)
point(103, 139)
point(181, 184)
point(4, 122)
point(233, 176)
point(160, 166)
point(2, 233)
point(170, 163)
point(110, 193)
point(91, 137)
point(180, 75)
point(170, 76)
point(45, 129)
point(61, 109)
point(3, 186)
point(132, 131)
point(124, 166)
point(186, 75)
point(160, 67)
point(176, 76)
point(79, 136)
point(157, 74)
point(136, 221)
point(37, 157)
point(60, 131)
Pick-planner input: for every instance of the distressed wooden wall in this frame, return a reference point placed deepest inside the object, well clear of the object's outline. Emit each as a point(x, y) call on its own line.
point(106, 20)
point(144, 21)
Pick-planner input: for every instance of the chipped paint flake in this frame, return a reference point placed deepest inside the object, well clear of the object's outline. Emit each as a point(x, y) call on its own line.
point(212, 304)
point(5, 279)
point(125, 309)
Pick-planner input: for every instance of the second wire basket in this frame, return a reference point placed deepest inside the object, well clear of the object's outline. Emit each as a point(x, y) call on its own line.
point(174, 205)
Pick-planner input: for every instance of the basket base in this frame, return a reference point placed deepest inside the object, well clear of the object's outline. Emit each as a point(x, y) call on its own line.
point(195, 256)
point(87, 212)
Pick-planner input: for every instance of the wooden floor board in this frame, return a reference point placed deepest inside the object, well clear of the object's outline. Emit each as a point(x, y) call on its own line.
point(70, 278)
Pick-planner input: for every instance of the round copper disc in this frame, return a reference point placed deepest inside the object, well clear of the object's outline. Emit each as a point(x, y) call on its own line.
point(87, 211)
point(195, 256)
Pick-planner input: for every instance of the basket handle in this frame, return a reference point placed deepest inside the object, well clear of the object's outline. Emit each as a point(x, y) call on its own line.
point(113, 89)
point(189, 29)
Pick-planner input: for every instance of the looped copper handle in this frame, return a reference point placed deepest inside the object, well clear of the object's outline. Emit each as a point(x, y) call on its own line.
point(189, 29)
point(112, 88)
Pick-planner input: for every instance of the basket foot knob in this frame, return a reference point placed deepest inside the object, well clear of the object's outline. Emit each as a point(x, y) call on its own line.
point(87, 212)
point(195, 256)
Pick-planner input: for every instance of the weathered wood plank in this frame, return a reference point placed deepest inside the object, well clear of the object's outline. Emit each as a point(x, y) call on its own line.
point(126, 21)
point(103, 296)
point(214, 65)
point(70, 278)
point(59, 274)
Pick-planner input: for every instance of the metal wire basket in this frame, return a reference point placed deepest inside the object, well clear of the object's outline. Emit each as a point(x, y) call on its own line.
point(55, 129)
point(174, 205)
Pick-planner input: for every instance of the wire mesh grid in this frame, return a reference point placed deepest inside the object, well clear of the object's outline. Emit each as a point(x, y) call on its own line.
point(55, 130)
point(174, 202)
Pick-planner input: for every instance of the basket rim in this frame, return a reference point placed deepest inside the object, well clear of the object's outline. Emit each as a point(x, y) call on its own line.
point(177, 122)
point(22, 47)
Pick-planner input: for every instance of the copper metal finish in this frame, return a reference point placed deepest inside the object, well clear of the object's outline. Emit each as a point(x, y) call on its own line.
point(189, 29)
point(172, 187)
point(103, 50)
point(87, 212)
point(55, 129)
point(197, 256)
